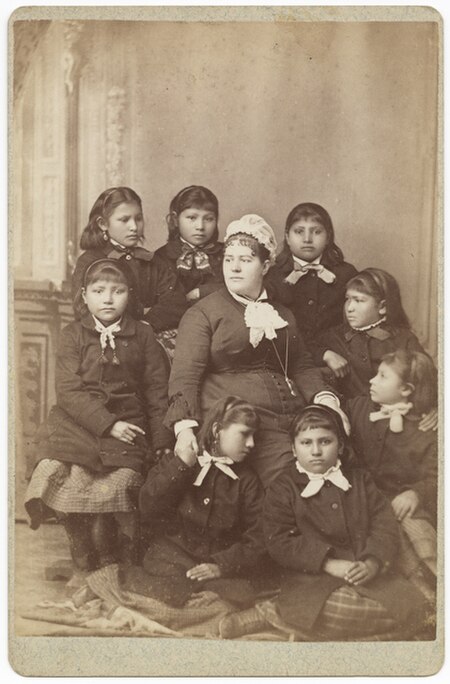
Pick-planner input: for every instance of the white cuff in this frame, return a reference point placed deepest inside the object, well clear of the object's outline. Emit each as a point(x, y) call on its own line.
point(328, 398)
point(183, 424)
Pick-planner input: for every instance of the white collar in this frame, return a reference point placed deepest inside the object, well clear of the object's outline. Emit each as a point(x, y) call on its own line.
point(246, 300)
point(112, 327)
point(122, 248)
point(371, 325)
point(187, 243)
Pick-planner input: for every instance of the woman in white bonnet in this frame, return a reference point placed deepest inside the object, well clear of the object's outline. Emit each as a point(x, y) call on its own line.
point(235, 341)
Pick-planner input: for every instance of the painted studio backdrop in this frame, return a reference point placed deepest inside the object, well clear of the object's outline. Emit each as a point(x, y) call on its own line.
point(265, 114)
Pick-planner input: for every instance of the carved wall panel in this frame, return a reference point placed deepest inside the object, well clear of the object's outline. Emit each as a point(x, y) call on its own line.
point(39, 316)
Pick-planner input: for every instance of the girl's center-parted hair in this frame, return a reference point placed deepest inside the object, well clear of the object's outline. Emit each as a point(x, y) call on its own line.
point(224, 413)
point(252, 243)
point(417, 370)
point(310, 210)
point(191, 197)
point(104, 205)
point(383, 287)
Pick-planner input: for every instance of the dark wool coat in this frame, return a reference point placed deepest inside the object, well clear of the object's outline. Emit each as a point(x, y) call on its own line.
point(168, 254)
point(154, 284)
point(214, 358)
point(217, 522)
point(301, 533)
point(363, 351)
point(397, 461)
point(92, 396)
point(316, 305)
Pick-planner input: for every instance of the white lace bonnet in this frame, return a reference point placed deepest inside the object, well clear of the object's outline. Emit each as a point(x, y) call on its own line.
point(256, 227)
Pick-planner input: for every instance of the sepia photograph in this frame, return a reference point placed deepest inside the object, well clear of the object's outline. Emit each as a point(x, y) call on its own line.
point(225, 243)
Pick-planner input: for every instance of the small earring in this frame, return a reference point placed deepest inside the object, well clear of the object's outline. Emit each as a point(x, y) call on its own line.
point(105, 236)
point(215, 446)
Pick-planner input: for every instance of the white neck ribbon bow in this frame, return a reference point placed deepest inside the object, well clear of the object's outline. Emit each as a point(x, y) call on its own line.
point(107, 333)
point(317, 480)
point(301, 270)
point(392, 412)
point(221, 462)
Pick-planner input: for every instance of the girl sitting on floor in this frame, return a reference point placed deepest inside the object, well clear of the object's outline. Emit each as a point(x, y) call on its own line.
point(212, 504)
point(335, 536)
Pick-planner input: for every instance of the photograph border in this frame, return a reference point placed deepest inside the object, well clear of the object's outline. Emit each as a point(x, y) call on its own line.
point(151, 656)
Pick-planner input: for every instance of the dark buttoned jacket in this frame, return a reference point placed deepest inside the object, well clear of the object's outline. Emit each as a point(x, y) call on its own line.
point(155, 287)
point(206, 281)
point(364, 351)
point(397, 461)
point(316, 305)
point(92, 396)
point(302, 533)
point(218, 521)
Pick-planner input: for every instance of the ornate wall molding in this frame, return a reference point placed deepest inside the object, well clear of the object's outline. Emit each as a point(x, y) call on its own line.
point(73, 62)
point(71, 56)
point(33, 353)
point(27, 35)
point(115, 125)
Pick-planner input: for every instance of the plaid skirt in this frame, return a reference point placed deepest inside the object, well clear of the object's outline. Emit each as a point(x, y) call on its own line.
point(345, 615)
point(418, 544)
point(71, 488)
point(417, 555)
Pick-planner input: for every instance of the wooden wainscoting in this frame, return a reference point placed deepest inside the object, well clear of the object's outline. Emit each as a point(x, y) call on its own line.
point(40, 312)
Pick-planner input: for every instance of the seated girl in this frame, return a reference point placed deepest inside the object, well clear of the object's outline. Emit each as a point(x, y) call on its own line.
point(115, 230)
point(193, 253)
point(336, 538)
point(401, 458)
point(375, 324)
point(94, 449)
point(212, 507)
point(310, 273)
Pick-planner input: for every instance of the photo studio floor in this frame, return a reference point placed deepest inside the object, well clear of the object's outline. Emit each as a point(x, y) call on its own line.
point(43, 605)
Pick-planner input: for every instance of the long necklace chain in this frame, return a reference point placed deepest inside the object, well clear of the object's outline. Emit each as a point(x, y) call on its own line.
point(284, 367)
